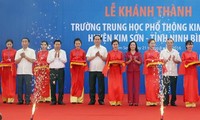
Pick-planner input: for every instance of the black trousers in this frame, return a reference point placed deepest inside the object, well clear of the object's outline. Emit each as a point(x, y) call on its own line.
point(169, 81)
point(101, 85)
point(57, 75)
point(21, 81)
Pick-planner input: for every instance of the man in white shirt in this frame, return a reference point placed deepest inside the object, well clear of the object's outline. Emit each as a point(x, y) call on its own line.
point(96, 55)
point(57, 59)
point(171, 58)
point(24, 59)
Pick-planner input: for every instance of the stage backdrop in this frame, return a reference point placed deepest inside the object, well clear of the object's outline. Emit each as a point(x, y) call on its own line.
point(124, 20)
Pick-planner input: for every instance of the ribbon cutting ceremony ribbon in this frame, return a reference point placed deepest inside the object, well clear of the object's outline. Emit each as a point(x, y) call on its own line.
point(154, 63)
point(77, 63)
point(41, 67)
point(192, 63)
point(6, 65)
point(116, 62)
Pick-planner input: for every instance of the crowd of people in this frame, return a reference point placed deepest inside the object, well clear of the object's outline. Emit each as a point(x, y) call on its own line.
point(48, 68)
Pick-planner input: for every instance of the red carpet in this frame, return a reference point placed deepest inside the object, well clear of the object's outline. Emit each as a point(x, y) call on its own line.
point(45, 111)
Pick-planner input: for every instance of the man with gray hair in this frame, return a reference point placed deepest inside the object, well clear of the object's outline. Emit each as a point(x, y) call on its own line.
point(171, 58)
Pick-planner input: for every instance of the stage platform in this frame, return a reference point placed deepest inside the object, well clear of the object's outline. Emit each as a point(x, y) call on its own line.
point(45, 111)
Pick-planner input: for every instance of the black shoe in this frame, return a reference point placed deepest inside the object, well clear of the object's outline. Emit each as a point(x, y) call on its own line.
point(53, 103)
point(19, 103)
point(130, 104)
point(74, 102)
point(61, 103)
point(27, 103)
point(173, 104)
point(101, 102)
point(91, 103)
point(152, 105)
point(165, 104)
point(135, 104)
